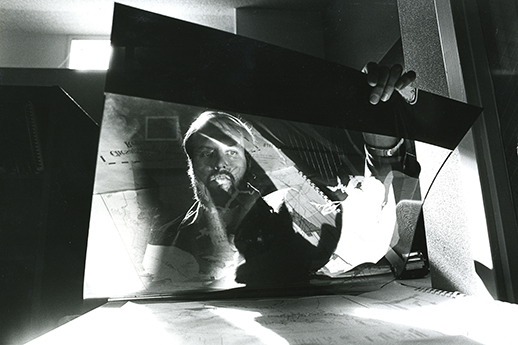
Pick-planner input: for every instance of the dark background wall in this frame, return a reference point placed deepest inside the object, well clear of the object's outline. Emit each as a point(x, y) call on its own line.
point(85, 87)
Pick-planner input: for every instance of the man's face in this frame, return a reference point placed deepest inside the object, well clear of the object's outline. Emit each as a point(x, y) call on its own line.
point(219, 164)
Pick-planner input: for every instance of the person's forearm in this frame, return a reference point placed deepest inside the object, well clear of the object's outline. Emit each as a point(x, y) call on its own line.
point(380, 141)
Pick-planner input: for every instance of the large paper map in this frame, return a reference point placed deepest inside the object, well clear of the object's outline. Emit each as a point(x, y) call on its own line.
point(396, 314)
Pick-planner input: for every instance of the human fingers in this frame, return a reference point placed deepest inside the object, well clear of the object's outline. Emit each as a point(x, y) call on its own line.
point(405, 80)
point(393, 78)
point(371, 69)
point(379, 88)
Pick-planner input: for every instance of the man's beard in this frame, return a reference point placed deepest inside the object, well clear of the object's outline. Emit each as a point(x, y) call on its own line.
point(222, 188)
point(221, 181)
point(219, 189)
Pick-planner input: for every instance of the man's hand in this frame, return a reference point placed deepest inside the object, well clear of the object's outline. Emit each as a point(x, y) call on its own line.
point(385, 80)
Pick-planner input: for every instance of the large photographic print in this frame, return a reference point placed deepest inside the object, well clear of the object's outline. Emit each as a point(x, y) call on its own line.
point(227, 162)
point(203, 198)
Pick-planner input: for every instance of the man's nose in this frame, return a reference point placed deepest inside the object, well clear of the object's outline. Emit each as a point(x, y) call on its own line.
point(220, 161)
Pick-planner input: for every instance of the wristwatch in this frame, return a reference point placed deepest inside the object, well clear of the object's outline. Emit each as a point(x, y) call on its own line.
point(377, 152)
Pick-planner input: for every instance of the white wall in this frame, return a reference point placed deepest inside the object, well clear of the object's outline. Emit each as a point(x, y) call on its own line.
point(456, 229)
point(301, 31)
point(40, 50)
point(333, 34)
point(32, 50)
point(358, 32)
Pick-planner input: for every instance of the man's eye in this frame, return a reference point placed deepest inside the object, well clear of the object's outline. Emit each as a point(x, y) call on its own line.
point(205, 153)
point(232, 153)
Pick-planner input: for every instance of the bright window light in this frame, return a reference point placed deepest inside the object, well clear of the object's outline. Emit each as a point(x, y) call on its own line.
point(89, 54)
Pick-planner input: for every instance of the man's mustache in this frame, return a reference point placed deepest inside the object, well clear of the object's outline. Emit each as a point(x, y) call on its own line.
point(214, 176)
